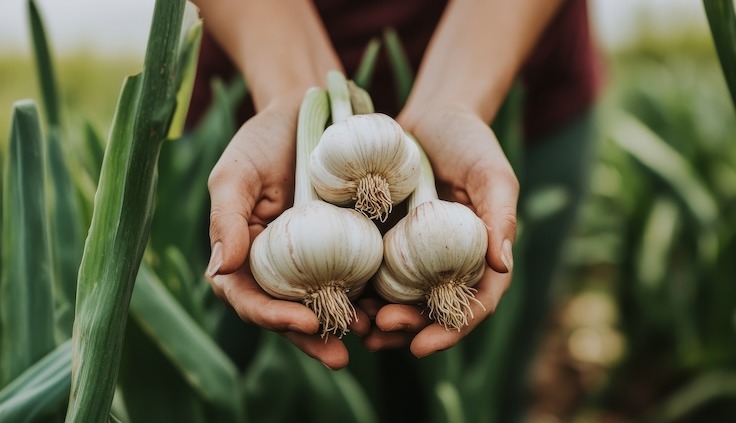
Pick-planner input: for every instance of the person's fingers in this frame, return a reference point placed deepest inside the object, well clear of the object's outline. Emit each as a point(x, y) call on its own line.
point(254, 306)
point(402, 317)
point(435, 337)
point(378, 340)
point(330, 351)
point(361, 326)
point(371, 306)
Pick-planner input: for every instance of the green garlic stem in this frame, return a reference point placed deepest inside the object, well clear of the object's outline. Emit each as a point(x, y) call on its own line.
point(313, 114)
point(339, 93)
point(426, 189)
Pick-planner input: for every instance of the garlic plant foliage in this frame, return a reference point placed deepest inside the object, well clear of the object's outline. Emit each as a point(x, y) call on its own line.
point(315, 252)
point(365, 160)
point(435, 254)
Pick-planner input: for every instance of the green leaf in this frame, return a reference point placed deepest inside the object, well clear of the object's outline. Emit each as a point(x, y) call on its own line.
point(364, 74)
point(105, 272)
point(658, 238)
point(207, 369)
point(122, 217)
point(705, 388)
point(40, 390)
point(26, 299)
point(191, 158)
point(188, 65)
point(400, 65)
point(722, 21)
point(45, 66)
point(67, 231)
point(649, 149)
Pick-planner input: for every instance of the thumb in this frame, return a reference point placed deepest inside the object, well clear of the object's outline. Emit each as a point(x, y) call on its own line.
point(232, 199)
point(497, 208)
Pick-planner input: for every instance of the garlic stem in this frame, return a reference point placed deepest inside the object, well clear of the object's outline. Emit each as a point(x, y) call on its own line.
point(337, 88)
point(313, 114)
point(426, 189)
point(360, 100)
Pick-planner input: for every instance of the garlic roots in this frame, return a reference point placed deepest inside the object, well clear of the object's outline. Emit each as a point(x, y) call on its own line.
point(315, 252)
point(435, 254)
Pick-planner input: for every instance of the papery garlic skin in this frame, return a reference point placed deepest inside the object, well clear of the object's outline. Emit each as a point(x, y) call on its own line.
point(366, 161)
point(317, 246)
point(439, 245)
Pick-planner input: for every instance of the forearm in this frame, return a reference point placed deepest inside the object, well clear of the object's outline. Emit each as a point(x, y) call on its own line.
point(475, 54)
point(280, 47)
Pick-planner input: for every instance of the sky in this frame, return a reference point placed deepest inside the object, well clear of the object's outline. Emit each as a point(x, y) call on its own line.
point(116, 28)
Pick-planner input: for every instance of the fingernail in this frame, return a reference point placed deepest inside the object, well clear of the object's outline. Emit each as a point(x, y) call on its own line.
point(326, 365)
point(215, 260)
point(507, 255)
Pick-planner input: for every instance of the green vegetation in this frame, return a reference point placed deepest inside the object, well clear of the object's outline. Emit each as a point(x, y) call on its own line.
point(642, 330)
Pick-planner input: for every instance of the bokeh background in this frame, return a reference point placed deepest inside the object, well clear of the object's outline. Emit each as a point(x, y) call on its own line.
point(643, 327)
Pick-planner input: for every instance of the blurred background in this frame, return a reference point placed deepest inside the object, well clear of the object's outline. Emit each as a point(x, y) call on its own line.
point(644, 322)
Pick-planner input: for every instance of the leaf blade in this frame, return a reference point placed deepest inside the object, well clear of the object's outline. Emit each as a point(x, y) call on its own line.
point(26, 298)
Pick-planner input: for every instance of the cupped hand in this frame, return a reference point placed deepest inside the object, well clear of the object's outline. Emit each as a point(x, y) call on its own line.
point(470, 168)
point(251, 185)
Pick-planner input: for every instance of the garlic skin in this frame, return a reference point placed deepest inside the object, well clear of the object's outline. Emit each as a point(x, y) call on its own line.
point(321, 255)
point(435, 254)
point(366, 161)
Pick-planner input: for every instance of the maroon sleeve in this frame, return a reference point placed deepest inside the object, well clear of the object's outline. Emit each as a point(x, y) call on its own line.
point(563, 74)
point(561, 77)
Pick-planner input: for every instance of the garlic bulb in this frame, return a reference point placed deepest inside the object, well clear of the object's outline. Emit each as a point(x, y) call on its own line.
point(435, 254)
point(315, 252)
point(364, 160)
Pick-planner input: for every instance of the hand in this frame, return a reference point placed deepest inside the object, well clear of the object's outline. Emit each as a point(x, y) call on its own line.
point(471, 168)
point(250, 186)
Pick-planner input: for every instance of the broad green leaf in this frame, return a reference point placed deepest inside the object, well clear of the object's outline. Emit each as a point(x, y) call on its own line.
point(26, 299)
point(722, 21)
point(207, 369)
point(40, 390)
point(402, 71)
point(364, 74)
point(103, 286)
point(121, 219)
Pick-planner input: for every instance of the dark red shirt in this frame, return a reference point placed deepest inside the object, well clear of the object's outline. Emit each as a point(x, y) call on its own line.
point(561, 77)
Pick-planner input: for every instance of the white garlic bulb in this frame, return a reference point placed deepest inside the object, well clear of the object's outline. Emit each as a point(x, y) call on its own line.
point(435, 254)
point(365, 161)
point(315, 252)
point(320, 254)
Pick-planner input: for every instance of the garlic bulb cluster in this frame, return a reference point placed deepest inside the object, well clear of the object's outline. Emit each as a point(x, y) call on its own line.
point(315, 252)
point(435, 254)
point(363, 160)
